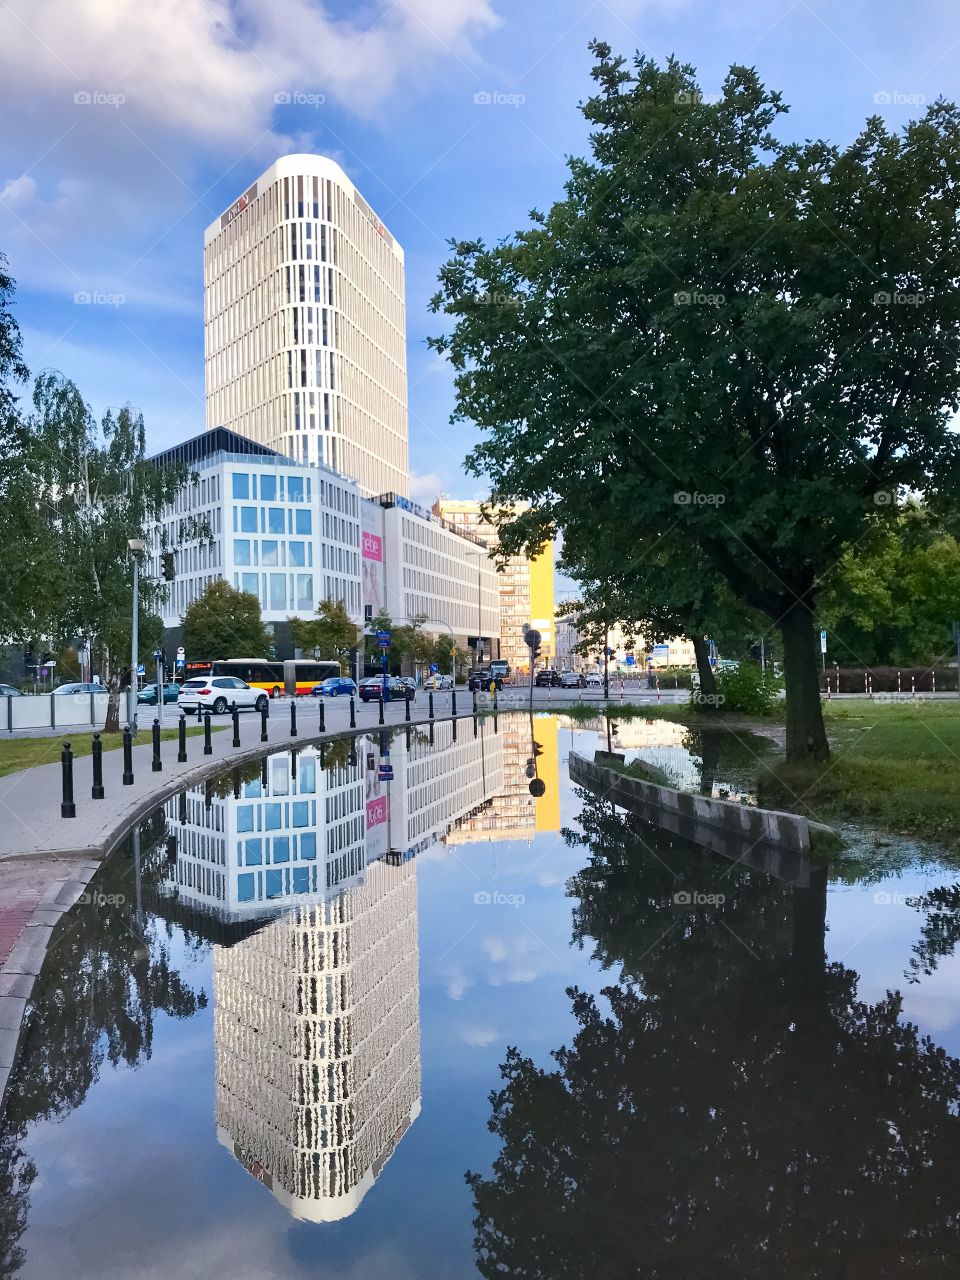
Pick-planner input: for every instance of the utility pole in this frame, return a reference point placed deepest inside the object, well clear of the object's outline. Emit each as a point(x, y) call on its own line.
point(606, 662)
point(137, 547)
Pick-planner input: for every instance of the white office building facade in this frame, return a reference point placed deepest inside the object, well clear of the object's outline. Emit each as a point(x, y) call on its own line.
point(286, 533)
point(304, 324)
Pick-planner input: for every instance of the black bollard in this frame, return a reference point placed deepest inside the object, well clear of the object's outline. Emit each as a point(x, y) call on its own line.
point(199, 714)
point(380, 701)
point(474, 702)
point(454, 725)
point(127, 757)
point(293, 765)
point(236, 784)
point(353, 712)
point(263, 722)
point(208, 796)
point(183, 808)
point(474, 726)
point(408, 735)
point(157, 764)
point(293, 718)
point(207, 744)
point(353, 752)
point(406, 709)
point(263, 774)
point(322, 727)
point(96, 791)
point(431, 733)
point(235, 713)
point(67, 808)
point(495, 725)
point(453, 701)
point(430, 703)
point(182, 740)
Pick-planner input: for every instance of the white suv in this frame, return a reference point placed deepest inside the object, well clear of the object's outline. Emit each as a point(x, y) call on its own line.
point(218, 694)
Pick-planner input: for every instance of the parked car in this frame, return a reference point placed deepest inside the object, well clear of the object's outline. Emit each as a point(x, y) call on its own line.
point(547, 678)
point(409, 682)
point(438, 681)
point(8, 691)
point(371, 688)
point(148, 694)
point(593, 680)
point(483, 680)
point(219, 693)
point(80, 688)
point(335, 687)
point(572, 680)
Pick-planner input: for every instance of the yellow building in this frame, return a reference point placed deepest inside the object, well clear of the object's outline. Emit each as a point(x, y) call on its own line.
point(526, 586)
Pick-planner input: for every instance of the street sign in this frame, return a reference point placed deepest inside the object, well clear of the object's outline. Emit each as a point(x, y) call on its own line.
point(630, 660)
point(140, 669)
point(434, 668)
point(181, 652)
point(823, 642)
point(384, 639)
point(181, 662)
point(532, 638)
point(385, 773)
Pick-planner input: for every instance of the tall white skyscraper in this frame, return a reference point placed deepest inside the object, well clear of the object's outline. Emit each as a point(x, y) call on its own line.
point(304, 324)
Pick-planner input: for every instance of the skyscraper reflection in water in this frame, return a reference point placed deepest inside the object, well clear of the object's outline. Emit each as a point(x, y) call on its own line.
point(302, 868)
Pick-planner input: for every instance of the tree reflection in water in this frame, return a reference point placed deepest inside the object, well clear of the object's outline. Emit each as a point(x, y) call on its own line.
point(730, 1108)
point(118, 977)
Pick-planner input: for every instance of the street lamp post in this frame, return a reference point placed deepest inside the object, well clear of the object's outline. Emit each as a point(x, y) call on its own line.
point(478, 650)
point(137, 547)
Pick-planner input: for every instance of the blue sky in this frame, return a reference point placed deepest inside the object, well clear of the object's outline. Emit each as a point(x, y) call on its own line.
point(109, 196)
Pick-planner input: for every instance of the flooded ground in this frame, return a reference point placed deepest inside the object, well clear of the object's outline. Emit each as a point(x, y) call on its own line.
point(381, 1012)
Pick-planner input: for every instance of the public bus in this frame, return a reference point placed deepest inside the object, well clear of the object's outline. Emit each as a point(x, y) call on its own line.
point(295, 676)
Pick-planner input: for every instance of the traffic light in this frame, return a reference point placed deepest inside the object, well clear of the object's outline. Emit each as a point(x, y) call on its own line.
point(169, 564)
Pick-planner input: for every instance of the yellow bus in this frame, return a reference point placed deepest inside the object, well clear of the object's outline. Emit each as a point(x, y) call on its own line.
point(295, 676)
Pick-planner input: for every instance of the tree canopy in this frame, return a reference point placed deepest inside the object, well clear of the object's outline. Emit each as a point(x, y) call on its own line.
point(224, 623)
point(749, 344)
point(330, 633)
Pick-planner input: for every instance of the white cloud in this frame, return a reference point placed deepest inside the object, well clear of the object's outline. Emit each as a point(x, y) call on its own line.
point(479, 1037)
point(425, 487)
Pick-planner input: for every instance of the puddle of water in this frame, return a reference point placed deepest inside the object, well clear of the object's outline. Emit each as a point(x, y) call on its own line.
point(266, 1039)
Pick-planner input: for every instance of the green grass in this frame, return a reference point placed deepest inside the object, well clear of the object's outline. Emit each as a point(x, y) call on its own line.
point(893, 765)
point(25, 753)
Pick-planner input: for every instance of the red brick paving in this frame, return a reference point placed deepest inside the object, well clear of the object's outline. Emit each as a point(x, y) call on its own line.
point(13, 917)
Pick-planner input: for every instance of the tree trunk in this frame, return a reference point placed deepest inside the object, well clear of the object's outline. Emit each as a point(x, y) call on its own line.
point(707, 698)
point(806, 735)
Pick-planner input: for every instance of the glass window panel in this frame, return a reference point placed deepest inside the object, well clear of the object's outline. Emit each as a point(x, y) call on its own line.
point(272, 817)
point(294, 488)
point(245, 814)
point(307, 776)
point(304, 591)
point(254, 853)
point(269, 552)
point(248, 519)
point(241, 550)
point(308, 845)
point(275, 523)
point(281, 848)
point(241, 485)
point(268, 488)
point(245, 886)
point(301, 879)
point(278, 590)
point(297, 552)
point(250, 582)
point(274, 884)
point(300, 810)
point(303, 522)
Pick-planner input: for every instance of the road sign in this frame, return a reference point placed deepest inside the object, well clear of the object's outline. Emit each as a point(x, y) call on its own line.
point(434, 668)
point(385, 773)
point(384, 639)
point(181, 652)
point(823, 642)
point(181, 662)
point(630, 660)
point(140, 669)
point(532, 638)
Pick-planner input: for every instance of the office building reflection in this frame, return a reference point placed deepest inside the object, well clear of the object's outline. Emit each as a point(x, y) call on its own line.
point(301, 871)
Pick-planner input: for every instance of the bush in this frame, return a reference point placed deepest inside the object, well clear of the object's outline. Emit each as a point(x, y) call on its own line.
point(747, 690)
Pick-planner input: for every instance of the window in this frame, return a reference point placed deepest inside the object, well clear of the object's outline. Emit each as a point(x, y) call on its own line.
point(272, 817)
point(245, 817)
point(241, 551)
point(275, 522)
point(278, 591)
point(241, 485)
point(302, 522)
point(300, 812)
point(281, 849)
point(294, 488)
point(308, 775)
point(245, 883)
point(248, 519)
point(274, 884)
point(269, 553)
point(304, 591)
point(308, 846)
point(254, 853)
point(268, 488)
point(279, 776)
point(297, 553)
point(250, 582)
point(301, 879)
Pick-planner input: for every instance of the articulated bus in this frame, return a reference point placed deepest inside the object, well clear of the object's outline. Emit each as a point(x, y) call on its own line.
point(295, 677)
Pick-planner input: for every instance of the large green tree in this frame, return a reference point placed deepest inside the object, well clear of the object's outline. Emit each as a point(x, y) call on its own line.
point(331, 633)
point(751, 344)
point(224, 623)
